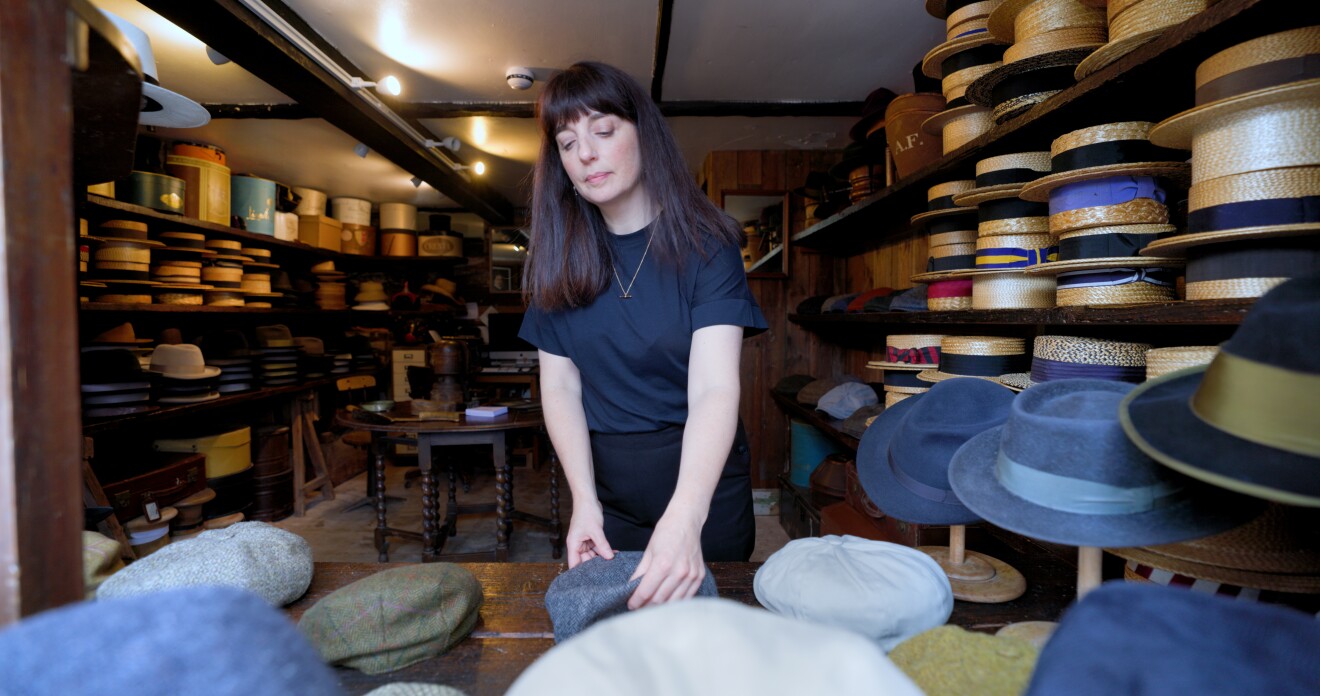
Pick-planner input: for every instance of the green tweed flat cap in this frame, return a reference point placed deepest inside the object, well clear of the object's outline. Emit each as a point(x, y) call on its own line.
point(950, 661)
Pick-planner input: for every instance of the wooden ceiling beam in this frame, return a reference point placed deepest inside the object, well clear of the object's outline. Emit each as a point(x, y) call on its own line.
point(663, 22)
point(418, 111)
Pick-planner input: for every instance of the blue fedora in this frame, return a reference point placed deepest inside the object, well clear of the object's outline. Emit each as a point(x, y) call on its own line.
point(1146, 639)
point(1250, 420)
point(1061, 470)
point(903, 459)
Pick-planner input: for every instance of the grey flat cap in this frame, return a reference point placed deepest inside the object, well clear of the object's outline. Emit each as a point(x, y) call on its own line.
point(599, 589)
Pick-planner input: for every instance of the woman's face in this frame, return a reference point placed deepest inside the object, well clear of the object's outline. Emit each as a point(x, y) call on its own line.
point(603, 160)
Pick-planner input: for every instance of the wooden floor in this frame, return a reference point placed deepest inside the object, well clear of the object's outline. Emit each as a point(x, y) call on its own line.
point(515, 629)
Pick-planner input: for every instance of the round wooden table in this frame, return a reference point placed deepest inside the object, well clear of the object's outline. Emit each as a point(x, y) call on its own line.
point(438, 433)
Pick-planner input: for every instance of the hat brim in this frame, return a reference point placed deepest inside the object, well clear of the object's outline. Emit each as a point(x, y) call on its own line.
point(1057, 267)
point(1000, 21)
point(985, 194)
point(1275, 582)
point(935, 124)
point(907, 367)
point(176, 110)
point(972, 474)
point(189, 250)
point(1158, 418)
point(884, 490)
point(934, 276)
point(1178, 246)
point(207, 373)
point(1114, 50)
point(931, 214)
point(210, 396)
point(1038, 191)
point(930, 64)
point(981, 91)
point(1017, 381)
point(1177, 131)
point(935, 376)
point(143, 242)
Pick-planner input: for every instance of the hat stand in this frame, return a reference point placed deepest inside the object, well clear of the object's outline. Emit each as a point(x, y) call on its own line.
point(975, 577)
point(1088, 569)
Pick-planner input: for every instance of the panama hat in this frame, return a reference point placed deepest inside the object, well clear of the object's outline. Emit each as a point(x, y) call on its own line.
point(1012, 90)
point(1109, 149)
point(910, 351)
point(160, 107)
point(1003, 176)
point(985, 357)
point(1113, 200)
point(939, 200)
point(1136, 22)
point(1115, 246)
point(1069, 357)
point(1247, 421)
point(1061, 470)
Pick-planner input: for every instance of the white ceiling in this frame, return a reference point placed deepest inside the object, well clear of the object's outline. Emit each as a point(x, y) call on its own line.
point(719, 50)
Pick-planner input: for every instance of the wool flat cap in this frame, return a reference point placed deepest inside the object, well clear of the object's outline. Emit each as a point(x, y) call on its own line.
point(811, 393)
point(709, 646)
point(414, 689)
point(952, 661)
point(253, 556)
point(395, 618)
point(597, 590)
point(201, 641)
point(844, 400)
point(883, 591)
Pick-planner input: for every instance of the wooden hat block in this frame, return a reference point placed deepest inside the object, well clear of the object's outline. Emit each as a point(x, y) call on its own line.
point(975, 577)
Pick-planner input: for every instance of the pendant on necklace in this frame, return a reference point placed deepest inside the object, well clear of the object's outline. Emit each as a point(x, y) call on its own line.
point(625, 296)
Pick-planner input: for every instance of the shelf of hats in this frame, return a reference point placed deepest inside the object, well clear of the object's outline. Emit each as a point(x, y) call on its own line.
point(1105, 348)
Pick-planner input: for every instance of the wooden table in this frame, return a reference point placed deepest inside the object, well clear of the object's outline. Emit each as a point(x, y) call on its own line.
point(436, 433)
point(514, 628)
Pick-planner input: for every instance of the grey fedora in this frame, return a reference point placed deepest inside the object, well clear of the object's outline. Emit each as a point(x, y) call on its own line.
point(599, 589)
point(903, 460)
point(1062, 470)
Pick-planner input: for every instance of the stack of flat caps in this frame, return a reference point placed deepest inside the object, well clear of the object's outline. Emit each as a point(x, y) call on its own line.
point(257, 290)
point(121, 262)
point(713, 646)
point(968, 52)
point(183, 377)
point(399, 617)
point(331, 288)
point(598, 589)
point(985, 357)
point(178, 267)
point(114, 384)
point(883, 591)
point(1049, 37)
point(1068, 357)
point(276, 356)
point(1252, 221)
point(224, 271)
point(229, 351)
point(905, 356)
point(1133, 23)
point(951, 240)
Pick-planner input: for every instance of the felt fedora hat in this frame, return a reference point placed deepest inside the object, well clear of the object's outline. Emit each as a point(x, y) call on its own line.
point(1070, 357)
point(1162, 361)
point(949, 295)
point(1247, 420)
point(1270, 74)
point(160, 106)
point(1109, 149)
point(939, 200)
point(985, 357)
point(1114, 246)
point(183, 361)
point(873, 113)
point(903, 459)
point(1062, 470)
point(1113, 200)
point(121, 335)
point(910, 351)
point(1003, 176)
point(1136, 22)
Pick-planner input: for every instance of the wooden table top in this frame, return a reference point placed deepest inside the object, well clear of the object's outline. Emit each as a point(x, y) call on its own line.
point(512, 420)
point(515, 629)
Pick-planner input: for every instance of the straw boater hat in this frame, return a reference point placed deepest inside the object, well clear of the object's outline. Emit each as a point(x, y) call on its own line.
point(1257, 160)
point(959, 125)
point(1135, 22)
point(1162, 361)
point(1003, 176)
point(184, 245)
point(939, 200)
point(1012, 252)
point(949, 295)
point(965, 29)
point(948, 261)
point(998, 281)
point(909, 352)
point(1066, 357)
point(180, 293)
point(1249, 268)
point(1110, 149)
point(1012, 216)
point(984, 357)
point(1115, 246)
point(1113, 200)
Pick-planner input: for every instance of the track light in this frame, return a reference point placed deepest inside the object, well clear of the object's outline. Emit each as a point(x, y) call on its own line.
point(451, 143)
point(361, 150)
point(215, 56)
point(478, 167)
point(416, 182)
point(389, 85)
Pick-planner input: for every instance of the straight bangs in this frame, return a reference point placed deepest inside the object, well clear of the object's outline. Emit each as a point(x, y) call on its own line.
point(575, 94)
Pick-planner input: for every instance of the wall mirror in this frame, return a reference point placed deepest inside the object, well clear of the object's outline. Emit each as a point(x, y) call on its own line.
point(508, 253)
point(764, 218)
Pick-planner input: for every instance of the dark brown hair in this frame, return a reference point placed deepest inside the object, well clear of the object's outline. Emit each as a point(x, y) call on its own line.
point(568, 261)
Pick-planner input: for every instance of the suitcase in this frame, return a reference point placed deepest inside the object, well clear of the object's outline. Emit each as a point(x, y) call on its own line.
point(164, 479)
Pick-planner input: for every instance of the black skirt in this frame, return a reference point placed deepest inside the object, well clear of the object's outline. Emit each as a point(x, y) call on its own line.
point(636, 474)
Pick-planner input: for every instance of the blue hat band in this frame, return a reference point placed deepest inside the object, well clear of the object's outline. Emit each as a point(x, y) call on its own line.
point(1080, 496)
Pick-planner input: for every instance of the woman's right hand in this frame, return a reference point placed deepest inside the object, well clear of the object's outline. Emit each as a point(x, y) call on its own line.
point(586, 535)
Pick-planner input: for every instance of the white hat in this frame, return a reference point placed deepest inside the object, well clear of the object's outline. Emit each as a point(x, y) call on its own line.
point(712, 646)
point(160, 107)
point(883, 591)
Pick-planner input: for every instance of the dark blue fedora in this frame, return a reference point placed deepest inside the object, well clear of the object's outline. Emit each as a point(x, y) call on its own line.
point(903, 459)
point(1249, 421)
point(1061, 470)
point(1125, 638)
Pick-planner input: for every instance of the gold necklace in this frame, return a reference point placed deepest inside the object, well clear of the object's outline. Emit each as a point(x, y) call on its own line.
point(627, 292)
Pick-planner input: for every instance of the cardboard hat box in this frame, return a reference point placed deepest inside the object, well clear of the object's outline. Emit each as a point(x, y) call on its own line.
point(320, 231)
point(226, 453)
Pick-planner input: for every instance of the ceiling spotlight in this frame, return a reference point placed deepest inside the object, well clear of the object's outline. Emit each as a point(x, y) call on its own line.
point(479, 168)
point(360, 150)
point(416, 182)
point(215, 56)
point(389, 85)
point(451, 143)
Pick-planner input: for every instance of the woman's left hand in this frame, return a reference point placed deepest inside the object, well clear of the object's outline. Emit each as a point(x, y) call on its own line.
point(672, 566)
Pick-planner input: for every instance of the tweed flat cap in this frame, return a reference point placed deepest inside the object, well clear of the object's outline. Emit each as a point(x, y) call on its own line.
point(414, 689)
point(395, 618)
point(201, 641)
point(952, 661)
point(101, 559)
point(811, 393)
point(710, 646)
point(599, 589)
point(253, 556)
point(883, 591)
point(844, 400)
point(857, 423)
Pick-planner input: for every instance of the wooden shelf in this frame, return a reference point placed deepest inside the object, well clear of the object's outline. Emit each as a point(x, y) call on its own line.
point(1228, 312)
point(828, 426)
point(759, 266)
point(1151, 83)
point(110, 307)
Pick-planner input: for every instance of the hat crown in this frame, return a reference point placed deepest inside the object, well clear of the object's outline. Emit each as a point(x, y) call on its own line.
point(940, 421)
point(1282, 328)
point(141, 43)
point(177, 358)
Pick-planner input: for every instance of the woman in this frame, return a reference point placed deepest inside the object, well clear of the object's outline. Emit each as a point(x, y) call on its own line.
point(638, 303)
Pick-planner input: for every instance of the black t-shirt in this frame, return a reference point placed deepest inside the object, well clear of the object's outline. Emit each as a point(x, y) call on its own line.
point(633, 353)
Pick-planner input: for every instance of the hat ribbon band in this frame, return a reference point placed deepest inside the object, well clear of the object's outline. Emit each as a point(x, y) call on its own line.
point(953, 223)
point(1045, 370)
point(950, 263)
point(1080, 496)
point(927, 355)
point(1009, 208)
point(949, 288)
point(1116, 277)
point(1264, 404)
point(1033, 82)
point(971, 58)
point(941, 203)
point(1112, 190)
point(1103, 246)
point(1263, 76)
point(1273, 211)
point(921, 490)
point(904, 378)
point(1281, 258)
point(1017, 175)
point(1113, 152)
point(1014, 257)
point(981, 365)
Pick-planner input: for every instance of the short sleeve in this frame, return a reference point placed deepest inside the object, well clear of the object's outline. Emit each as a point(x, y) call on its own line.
point(538, 330)
point(721, 295)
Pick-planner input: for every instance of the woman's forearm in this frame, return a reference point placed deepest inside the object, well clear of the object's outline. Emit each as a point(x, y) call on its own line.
point(711, 425)
point(566, 422)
